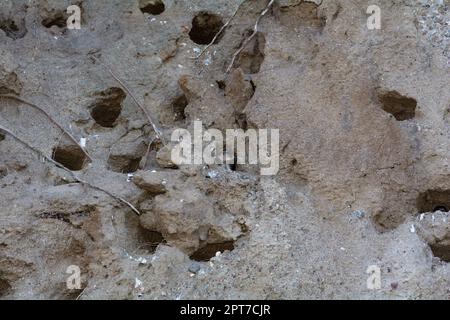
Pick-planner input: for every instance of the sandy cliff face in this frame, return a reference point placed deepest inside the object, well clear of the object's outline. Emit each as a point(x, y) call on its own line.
point(364, 120)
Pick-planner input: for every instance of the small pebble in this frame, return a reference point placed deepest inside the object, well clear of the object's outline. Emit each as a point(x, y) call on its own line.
point(194, 267)
point(359, 214)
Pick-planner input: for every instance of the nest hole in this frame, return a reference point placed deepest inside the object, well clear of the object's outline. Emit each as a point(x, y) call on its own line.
point(56, 18)
point(153, 7)
point(434, 200)
point(209, 251)
point(149, 240)
point(221, 84)
point(401, 107)
point(70, 156)
point(12, 29)
point(178, 106)
point(124, 164)
point(441, 250)
point(108, 107)
point(205, 26)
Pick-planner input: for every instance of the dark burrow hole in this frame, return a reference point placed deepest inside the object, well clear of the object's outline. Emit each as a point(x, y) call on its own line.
point(2, 137)
point(252, 57)
point(178, 106)
point(70, 156)
point(56, 18)
point(108, 107)
point(154, 7)
point(12, 30)
point(5, 287)
point(209, 251)
point(401, 107)
point(205, 26)
point(441, 250)
point(124, 164)
point(149, 240)
point(433, 200)
point(221, 84)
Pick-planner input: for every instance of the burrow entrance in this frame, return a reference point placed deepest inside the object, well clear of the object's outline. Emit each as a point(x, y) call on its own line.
point(401, 107)
point(107, 107)
point(178, 107)
point(149, 240)
point(434, 200)
point(205, 26)
point(56, 18)
point(441, 250)
point(209, 251)
point(14, 30)
point(124, 163)
point(154, 7)
point(70, 156)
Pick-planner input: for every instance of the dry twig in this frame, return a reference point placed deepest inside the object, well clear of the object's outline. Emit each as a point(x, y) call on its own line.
point(19, 99)
point(59, 165)
point(255, 31)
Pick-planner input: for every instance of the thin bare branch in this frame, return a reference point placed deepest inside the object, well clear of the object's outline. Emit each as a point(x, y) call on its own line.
point(81, 294)
point(112, 195)
point(255, 32)
point(59, 165)
point(147, 152)
point(33, 105)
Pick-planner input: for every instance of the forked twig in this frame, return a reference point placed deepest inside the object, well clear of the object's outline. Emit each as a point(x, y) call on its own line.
point(59, 165)
point(220, 31)
point(33, 105)
point(247, 41)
